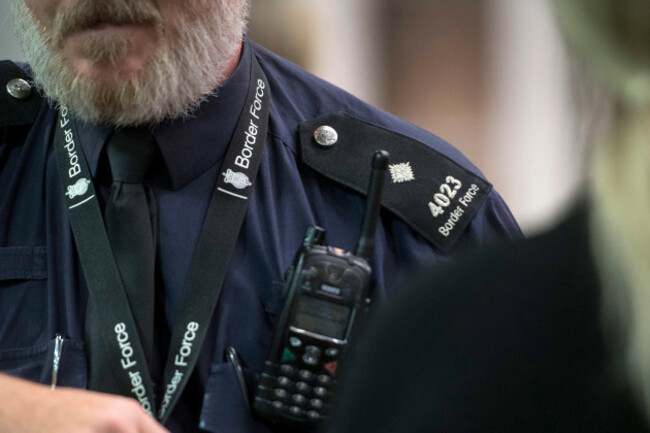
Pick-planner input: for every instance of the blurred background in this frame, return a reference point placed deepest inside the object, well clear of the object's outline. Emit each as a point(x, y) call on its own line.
point(489, 76)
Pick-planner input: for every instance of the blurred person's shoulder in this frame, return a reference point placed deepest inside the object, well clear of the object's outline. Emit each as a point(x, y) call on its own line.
point(512, 335)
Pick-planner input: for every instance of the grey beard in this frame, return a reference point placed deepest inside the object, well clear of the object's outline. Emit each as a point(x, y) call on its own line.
point(180, 75)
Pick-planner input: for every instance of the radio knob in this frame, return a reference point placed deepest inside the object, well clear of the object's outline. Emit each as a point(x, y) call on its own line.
point(295, 411)
point(305, 375)
point(313, 350)
point(299, 399)
point(332, 352)
point(316, 403)
point(287, 369)
point(334, 273)
point(288, 355)
point(303, 387)
point(324, 379)
point(281, 393)
point(284, 381)
point(331, 367)
point(309, 273)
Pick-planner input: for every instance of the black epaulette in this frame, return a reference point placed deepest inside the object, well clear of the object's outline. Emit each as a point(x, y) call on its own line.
point(431, 193)
point(19, 102)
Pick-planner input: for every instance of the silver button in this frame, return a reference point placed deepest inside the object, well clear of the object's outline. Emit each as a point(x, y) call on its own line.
point(326, 136)
point(332, 352)
point(19, 88)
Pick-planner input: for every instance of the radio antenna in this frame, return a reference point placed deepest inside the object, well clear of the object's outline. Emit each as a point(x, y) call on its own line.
point(375, 188)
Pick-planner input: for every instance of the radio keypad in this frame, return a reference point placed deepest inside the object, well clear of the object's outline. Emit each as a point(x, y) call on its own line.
point(304, 365)
point(302, 392)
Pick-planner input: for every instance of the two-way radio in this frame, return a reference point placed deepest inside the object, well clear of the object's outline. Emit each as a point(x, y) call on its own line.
point(327, 291)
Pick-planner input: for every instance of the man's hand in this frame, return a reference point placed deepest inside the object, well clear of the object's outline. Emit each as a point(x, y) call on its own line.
point(27, 407)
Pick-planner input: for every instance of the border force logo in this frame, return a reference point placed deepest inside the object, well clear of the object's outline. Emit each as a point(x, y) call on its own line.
point(236, 179)
point(401, 172)
point(78, 189)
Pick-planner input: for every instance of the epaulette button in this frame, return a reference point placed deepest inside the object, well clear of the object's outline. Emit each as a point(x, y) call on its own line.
point(326, 136)
point(19, 88)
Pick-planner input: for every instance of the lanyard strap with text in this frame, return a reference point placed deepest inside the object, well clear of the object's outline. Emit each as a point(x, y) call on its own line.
point(120, 341)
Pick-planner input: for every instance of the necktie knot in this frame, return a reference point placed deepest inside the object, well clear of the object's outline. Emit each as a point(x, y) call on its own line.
point(130, 152)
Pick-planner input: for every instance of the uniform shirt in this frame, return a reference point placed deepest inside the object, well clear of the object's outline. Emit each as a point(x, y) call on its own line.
point(42, 288)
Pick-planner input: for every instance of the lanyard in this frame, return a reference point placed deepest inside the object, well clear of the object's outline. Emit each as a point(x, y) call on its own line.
point(113, 342)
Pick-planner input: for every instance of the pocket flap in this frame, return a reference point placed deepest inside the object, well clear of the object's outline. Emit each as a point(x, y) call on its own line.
point(23, 263)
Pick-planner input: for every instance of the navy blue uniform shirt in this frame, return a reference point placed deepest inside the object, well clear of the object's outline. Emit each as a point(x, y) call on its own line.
point(42, 288)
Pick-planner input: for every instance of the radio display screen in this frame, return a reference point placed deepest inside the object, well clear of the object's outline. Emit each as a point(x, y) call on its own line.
point(322, 317)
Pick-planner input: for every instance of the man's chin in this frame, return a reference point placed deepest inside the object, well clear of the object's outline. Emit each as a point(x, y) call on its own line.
point(104, 106)
point(104, 76)
point(100, 99)
point(133, 102)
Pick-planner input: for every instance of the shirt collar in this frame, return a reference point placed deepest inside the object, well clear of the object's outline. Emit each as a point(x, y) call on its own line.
point(188, 146)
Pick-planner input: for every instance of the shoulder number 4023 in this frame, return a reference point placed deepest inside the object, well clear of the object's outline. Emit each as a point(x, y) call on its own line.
point(442, 199)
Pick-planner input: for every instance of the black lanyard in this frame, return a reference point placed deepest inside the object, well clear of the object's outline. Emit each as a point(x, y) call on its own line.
point(117, 343)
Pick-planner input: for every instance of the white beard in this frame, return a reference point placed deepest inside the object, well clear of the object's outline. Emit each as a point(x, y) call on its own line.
point(181, 73)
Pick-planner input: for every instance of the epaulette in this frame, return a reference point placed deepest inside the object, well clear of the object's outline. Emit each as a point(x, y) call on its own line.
point(431, 193)
point(19, 102)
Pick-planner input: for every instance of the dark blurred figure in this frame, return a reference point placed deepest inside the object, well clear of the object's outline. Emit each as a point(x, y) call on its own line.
point(552, 334)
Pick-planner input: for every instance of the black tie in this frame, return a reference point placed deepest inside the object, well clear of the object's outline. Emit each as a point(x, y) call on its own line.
point(128, 224)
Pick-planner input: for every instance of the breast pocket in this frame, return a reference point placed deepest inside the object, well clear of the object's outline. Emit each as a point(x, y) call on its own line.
point(23, 297)
point(38, 363)
point(225, 406)
point(26, 342)
point(23, 263)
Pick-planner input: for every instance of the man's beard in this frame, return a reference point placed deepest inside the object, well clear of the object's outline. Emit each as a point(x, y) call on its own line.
point(180, 74)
